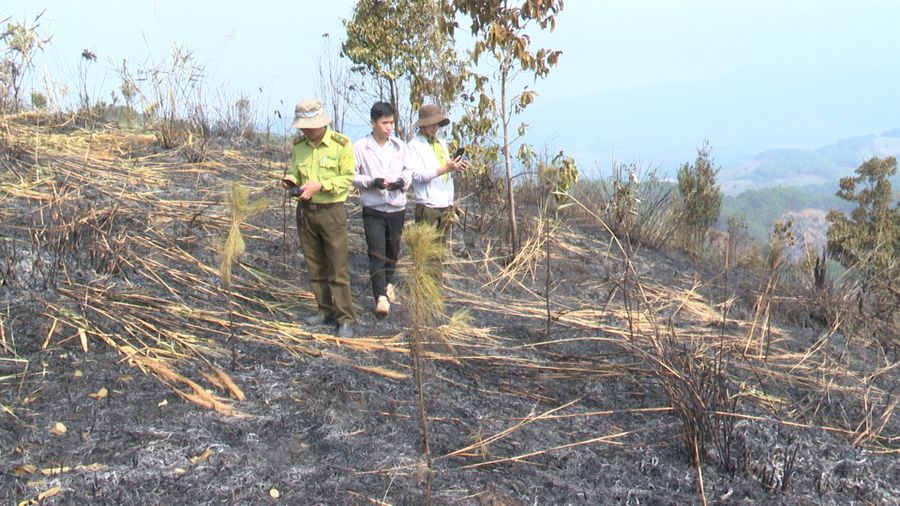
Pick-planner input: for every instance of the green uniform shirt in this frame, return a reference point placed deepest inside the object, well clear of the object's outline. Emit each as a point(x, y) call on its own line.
point(330, 163)
point(440, 154)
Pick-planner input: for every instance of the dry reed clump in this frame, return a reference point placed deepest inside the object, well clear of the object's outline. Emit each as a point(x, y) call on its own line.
point(525, 265)
point(423, 280)
point(232, 246)
point(735, 246)
point(633, 202)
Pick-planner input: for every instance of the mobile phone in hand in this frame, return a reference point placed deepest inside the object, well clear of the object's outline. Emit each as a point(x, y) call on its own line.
point(459, 152)
point(292, 189)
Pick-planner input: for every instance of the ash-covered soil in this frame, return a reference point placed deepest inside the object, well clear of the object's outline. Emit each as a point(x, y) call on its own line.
point(520, 411)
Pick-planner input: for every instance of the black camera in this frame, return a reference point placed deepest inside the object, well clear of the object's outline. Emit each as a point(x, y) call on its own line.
point(459, 152)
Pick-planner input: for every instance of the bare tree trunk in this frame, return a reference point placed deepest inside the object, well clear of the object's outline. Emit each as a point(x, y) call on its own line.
point(415, 346)
point(331, 83)
point(398, 122)
point(510, 196)
point(819, 270)
point(547, 263)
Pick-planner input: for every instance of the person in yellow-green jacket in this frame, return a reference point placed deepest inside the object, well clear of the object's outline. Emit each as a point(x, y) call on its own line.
point(320, 176)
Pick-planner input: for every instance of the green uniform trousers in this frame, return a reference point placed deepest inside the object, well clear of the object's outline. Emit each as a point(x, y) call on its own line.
point(442, 220)
point(440, 217)
point(323, 236)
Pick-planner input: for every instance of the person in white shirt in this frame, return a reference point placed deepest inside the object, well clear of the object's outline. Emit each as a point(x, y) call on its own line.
point(432, 170)
point(383, 177)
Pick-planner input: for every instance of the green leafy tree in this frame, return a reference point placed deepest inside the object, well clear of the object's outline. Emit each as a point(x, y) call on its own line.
point(870, 237)
point(503, 32)
point(404, 45)
point(477, 128)
point(701, 196)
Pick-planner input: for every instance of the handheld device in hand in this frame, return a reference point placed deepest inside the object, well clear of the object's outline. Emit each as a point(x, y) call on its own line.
point(459, 152)
point(292, 189)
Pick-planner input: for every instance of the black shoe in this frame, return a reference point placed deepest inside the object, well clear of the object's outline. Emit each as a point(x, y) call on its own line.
point(345, 331)
point(319, 319)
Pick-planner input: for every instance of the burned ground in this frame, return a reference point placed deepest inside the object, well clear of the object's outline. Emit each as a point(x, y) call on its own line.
point(108, 246)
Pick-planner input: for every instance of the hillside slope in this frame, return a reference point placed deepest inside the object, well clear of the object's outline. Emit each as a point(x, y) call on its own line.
point(596, 383)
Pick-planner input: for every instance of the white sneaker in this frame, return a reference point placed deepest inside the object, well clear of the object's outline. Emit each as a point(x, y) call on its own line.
point(383, 308)
point(391, 294)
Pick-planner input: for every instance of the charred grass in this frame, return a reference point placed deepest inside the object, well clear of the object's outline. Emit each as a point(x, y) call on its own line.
point(622, 374)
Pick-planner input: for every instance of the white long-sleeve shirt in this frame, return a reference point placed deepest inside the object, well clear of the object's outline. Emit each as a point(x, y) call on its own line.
point(370, 164)
point(431, 189)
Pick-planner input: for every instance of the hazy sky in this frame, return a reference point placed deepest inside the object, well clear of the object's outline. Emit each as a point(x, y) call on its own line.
point(623, 62)
point(244, 47)
point(657, 77)
point(615, 45)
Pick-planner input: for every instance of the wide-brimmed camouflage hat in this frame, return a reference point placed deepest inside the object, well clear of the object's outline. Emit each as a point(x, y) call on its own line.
point(431, 115)
point(309, 113)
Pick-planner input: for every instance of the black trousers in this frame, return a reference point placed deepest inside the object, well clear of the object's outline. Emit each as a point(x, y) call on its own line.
point(383, 231)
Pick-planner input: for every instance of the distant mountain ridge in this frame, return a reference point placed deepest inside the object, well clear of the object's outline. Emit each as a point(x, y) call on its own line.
point(809, 167)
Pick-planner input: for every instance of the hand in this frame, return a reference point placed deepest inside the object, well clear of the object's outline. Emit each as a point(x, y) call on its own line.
point(309, 189)
point(457, 163)
point(378, 183)
point(396, 185)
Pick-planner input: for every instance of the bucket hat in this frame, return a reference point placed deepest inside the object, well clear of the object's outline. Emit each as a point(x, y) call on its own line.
point(309, 113)
point(431, 115)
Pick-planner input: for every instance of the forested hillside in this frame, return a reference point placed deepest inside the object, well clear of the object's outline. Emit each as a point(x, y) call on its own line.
point(763, 207)
point(816, 168)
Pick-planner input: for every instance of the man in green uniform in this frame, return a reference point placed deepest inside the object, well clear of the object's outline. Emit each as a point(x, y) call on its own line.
point(321, 173)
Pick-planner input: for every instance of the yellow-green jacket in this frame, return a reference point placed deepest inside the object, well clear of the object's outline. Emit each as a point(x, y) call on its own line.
point(331, 163)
